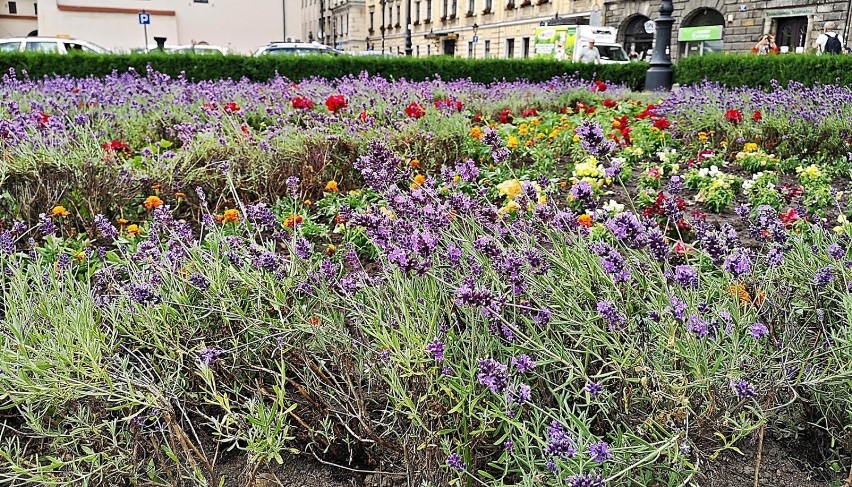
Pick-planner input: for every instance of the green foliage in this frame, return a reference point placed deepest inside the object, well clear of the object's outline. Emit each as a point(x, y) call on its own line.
point(759, 71)
point(297, 68)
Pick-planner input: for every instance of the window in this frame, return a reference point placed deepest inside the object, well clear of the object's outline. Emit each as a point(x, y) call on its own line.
point(455, 8)
point(428, 9)
point(200, 1)
point(471, 5)
point(470, 50)
point(372, 21)
point(13, 7)
point(510, 48)
point(72, 47)
point(390, 15)
point(525, 45)
point(488, 5)
point(33, 46)
point(398, 15)
point(446, 8)
point(35, 8)
point(418, 50)
point(428, 49)
point(487, 49)
point(10, 46)
point(417, 12)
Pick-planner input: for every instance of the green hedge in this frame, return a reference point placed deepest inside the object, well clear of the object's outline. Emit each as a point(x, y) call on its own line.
point(758, 71)
point(297, 68)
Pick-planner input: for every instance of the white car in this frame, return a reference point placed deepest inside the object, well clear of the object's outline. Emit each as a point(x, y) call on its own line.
point(56, 45)
point(295, 49)
point(190, 49)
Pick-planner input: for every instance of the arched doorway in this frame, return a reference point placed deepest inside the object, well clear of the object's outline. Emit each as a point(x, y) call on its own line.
point(636, 39)
point(33, 34)
point(701, 32)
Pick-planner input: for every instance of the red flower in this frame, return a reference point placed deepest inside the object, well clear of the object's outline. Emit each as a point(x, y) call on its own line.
point(530, 112)
point(506, 116)
point(646, 113)
point(415, 110)
point(600, 86)
point(302, 103)
point(661, 124)
point(450, 104)
point(43, 118)
point(335, 103)
point(734, 116)
point(363, 116)
point(610, 103)
point(756, 116)
point(117, 147)
point(789, 217)
point(564, 110)
point(590, 110)
point(231, 107)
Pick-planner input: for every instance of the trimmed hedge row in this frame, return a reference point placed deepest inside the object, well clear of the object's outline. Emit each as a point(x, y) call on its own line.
point(759, 71)
point(297, 68)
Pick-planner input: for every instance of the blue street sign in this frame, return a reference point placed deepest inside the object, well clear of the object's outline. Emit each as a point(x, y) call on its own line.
point(475, 39)
point(144, 19)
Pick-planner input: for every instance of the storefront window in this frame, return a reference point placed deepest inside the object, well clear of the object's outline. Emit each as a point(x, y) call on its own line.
point(701, 33)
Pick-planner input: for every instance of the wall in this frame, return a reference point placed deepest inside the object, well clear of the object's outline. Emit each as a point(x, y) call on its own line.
point(19, 24)
point(242, 25)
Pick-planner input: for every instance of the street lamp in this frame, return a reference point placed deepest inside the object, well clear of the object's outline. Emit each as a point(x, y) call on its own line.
point(660, 75)
point(382, 3)
point(408, 48)
point(475, 29)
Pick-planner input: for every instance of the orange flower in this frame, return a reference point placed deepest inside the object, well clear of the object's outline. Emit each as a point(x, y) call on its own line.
point(59, 211)
point(331, 186)
point(315, 320)
point(415, 163)
point(133, 230)
point(418, 181)
point(563, 184)
point(740, 291)
point(585, 220)
point(476, 133)
point(156, 187)
point(231, 216)
point(180, 196)
point(292, 221)
point(330, 249)
point(152, 202)
point(123, 221)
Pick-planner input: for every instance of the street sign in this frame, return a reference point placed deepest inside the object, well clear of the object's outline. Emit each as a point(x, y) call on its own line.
point(475, 39)
point(650, 27)
point(144, 19)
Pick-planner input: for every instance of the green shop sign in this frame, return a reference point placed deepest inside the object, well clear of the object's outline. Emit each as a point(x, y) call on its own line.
point(707, 33)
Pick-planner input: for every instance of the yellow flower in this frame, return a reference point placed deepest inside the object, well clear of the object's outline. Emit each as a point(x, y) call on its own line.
point(702, 136)
point(133, 230)
point(152, 202)
point(456, 178)
point(511, 207)
point(59, 211)
point(307, 202)
point(123, 221)
point(331, 186)
point(232, 216)
point(80, 255)
point(513, 142)
point(576, 138)
point(476, 133)
point(509, 188)
point(330, 249)
point(418, 181)
point(750, 147)
point(180, 196)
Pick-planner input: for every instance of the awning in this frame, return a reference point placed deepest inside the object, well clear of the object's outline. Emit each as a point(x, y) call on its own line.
point(706, 33)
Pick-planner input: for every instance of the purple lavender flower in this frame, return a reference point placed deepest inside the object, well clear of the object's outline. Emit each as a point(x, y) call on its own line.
point(697, 325)
point(7, 242)
point(775, 256)
point(758, 330)
point(743, 389)
point(293, 183)
point(436, 349)
point(144, 293)
point(302, 248)
point(455, 462)
point(593, 388)
point(199, 281)
point(379, 167)
point(509, 445)
point(824, 276)
point(106, 228)
point(738, 263)
point(260, 214)
point(678, 307)
point(523, 363)
point(542, 317)
point(520, 394)
point(559, 442)
point(686, 276)
point(675, 185)
point(599, 451)
point(586, 480)
point(592, 138)
point(610, 314)
point(493, 375)
point(612, 262)
point(209, 356)
point(46, 225)
point(467, 170)
point(836, 252)
point(447, 371)
point(627, 228)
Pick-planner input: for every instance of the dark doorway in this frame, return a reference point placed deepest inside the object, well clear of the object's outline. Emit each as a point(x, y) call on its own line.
point(450, 48)
point(791, 33)
point(636, 39)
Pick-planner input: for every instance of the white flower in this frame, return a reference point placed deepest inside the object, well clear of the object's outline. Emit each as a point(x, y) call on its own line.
point(613, 208)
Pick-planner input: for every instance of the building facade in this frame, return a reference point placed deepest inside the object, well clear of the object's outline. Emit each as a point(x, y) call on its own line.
point(468, 28)
point(18, 18)
point(241, 25)
point(705, 26)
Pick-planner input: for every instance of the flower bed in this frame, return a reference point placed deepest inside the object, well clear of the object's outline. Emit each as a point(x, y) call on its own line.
point(463, 283)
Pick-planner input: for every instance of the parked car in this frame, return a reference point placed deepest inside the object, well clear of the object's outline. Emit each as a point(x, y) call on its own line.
point(295, 49)
point(56, 45)
point(189, 49)
point(373, 53)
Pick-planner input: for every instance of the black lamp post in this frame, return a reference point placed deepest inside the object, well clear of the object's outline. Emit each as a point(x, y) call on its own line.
point(475, 29)
point(408, 48)
point(660, 74)
point(382, 4)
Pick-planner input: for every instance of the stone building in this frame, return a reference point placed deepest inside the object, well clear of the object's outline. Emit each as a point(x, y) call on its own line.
point(468, 28)
point(337, 23)
point(703, 26)
point(18, 18)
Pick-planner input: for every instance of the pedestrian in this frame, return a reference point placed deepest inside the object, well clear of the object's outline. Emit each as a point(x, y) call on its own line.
point(766, 45)
point(590, 54)
point(829, 42)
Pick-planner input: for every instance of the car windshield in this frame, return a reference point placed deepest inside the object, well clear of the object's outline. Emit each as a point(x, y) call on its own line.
point(10, 46)
point(195, 50)
point(612, 53)
point(297, 51)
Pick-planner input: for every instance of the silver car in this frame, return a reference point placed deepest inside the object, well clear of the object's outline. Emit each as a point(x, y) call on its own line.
point(295, 48)
point(55, 45)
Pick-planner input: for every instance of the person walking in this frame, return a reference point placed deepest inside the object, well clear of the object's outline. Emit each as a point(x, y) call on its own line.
point(829, 42)
point(590, 54)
